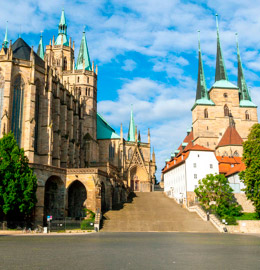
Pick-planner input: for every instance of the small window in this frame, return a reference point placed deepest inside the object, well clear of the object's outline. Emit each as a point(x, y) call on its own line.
point(225, 95)
point(198, 155)
point(195, 176)
point(247, 115)
point(211, 166)
point(78, 79)
point(79, 90)
point(206, 115)
point(194, 165)
point(226, 110)
point(195, 186)
point(87, 79)
point(86, 91)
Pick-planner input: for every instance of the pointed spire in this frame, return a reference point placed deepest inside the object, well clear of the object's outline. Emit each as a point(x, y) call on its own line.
point(131, 130)
point(139, 136)
point(202, 91)
point(241, 82)
point(5, 43)
point(83, 54)
point(62, 37)
point(221, 73)
point(40, 50)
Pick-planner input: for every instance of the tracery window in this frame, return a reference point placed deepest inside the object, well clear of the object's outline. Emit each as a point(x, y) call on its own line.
point(206, 114)
point(130, 153)
point(226, 110)
point(2, 88)
point(247, 115)
point(37, 111)
point(236, 154)
point(17, 109)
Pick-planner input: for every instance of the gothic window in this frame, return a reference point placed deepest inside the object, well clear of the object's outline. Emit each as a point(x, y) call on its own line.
point(37, 111)
point(86, 91)
point(226, 110)
point(87, 79)
point(130, 153)
point(206, 114)
point(247, 115)
point(2, 88)
point(78, 79)
point(111, 151)
point(65, 63)
point(17, 109)
point(236, 154)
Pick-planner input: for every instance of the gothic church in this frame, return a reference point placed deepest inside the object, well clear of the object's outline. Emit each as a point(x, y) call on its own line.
point(49, 101)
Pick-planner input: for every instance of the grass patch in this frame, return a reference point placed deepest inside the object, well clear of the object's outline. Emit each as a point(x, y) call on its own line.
point(248, 216)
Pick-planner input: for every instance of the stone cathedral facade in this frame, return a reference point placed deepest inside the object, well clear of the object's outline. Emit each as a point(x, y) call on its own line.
point(49, 101)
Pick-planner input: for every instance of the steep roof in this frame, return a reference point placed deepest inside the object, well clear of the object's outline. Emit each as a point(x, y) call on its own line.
point(131, 130)
point(22, 50)
point(83, 54)
point(104, 130)
point(197, 147)
point(230, 137)
point(236, 169)
point(226, 163)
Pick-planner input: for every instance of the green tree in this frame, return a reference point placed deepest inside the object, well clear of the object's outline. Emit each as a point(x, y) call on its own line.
point(18, 183)
point(251, 175)
point(215, 194)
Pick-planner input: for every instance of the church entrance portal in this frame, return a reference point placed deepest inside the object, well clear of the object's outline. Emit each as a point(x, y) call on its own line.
point(54, 198)
point(77, 196)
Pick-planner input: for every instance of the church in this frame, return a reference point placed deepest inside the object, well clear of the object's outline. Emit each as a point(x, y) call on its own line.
point(221, 120)
point(49, 101)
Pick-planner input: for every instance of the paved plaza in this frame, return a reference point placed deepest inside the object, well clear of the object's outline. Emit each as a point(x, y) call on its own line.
point(110, 251)
point(149, 212)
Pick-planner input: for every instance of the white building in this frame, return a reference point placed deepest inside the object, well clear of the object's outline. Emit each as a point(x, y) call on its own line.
point(182, 173)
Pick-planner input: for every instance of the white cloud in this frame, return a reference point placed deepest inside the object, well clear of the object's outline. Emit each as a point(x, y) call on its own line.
point(129, 65)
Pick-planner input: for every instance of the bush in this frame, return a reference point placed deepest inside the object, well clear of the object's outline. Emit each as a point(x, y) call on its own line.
point(89, 214)
point(87, 224)
point(231, 220)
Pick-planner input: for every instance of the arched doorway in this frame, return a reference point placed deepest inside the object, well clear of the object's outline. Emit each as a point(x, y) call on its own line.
point(77, 196)
point(103, 197)
point(54, 198)
point(139, 179)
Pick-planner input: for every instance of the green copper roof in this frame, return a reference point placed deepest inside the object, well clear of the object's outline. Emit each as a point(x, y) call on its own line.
point(247, 103)
point(62, 31)
point(202, 95)
point(220, 73)
point(5, 43)
point(224, 84)
point(104, 130)
point(83, 54)
point(40, 50)
point(131, 130)
point(244, 94)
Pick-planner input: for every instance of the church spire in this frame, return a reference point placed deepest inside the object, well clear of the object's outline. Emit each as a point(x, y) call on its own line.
point(221, 73)
point(40, 50)
point(131, 130)
point(202, 92)
point(241, 82)
point(83, 54)
point(62, 37)
point(5, 43)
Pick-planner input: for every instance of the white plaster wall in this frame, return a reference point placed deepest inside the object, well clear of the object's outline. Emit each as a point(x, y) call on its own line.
point(236, 184)
point(203, 160)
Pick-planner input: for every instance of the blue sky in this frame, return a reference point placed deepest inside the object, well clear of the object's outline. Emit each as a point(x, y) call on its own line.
point(146, 51)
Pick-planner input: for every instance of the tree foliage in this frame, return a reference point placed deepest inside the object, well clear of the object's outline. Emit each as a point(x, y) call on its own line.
point(251, 175)
point(18, 183)
point(215, 194)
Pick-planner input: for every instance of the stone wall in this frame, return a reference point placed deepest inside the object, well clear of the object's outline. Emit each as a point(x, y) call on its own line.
point(245, 226)
point(244, 202)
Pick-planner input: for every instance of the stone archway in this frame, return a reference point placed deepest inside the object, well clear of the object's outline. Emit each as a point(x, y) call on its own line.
point(77, 197)
point(54, 198)
point(139, 179)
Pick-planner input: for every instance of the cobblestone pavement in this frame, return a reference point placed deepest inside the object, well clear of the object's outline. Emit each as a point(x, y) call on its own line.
point(133, 251)
point(154, 212)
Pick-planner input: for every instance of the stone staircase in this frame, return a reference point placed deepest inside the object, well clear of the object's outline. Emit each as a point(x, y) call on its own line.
point(153, 211)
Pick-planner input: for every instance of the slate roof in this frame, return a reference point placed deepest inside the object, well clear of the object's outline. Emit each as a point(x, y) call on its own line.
point(22, 50)
point(230, 137)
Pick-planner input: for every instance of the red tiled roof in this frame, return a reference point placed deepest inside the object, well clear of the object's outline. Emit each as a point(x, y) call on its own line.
point(197, 147)
point(175, 162)
point(236, 169)
point(225, 163)
point(230, 137)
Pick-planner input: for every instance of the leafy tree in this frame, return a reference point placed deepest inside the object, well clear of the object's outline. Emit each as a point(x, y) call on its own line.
point(251, 175)
point(215, 194)
point(18, 183)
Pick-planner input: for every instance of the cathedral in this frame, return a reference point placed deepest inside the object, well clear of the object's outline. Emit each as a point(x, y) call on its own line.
point(49, 101)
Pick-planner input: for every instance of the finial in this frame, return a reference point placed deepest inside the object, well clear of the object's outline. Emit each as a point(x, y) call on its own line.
point(84, 29)
point(199, 38)
point(236, 38)
point(217, 21)
point(41, 32)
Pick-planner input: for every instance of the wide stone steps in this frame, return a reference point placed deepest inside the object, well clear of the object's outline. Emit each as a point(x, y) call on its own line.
point(153, 212)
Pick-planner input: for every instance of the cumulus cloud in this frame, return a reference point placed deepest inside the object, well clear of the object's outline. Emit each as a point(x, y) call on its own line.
point(129, 65)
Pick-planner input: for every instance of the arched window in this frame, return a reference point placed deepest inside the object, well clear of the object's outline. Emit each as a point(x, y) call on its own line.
point(65, 63)
point(130, 153)
point(89, 91)
point(17, 109)
point(226, 110)
point(86, 91)
point(236, 154)
point(79, 90)
point(2, 88)
point(247, 115)
point(111, 151)
point(206, 115)
point(87, 79)
point(37, 111)
point(78, 78)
